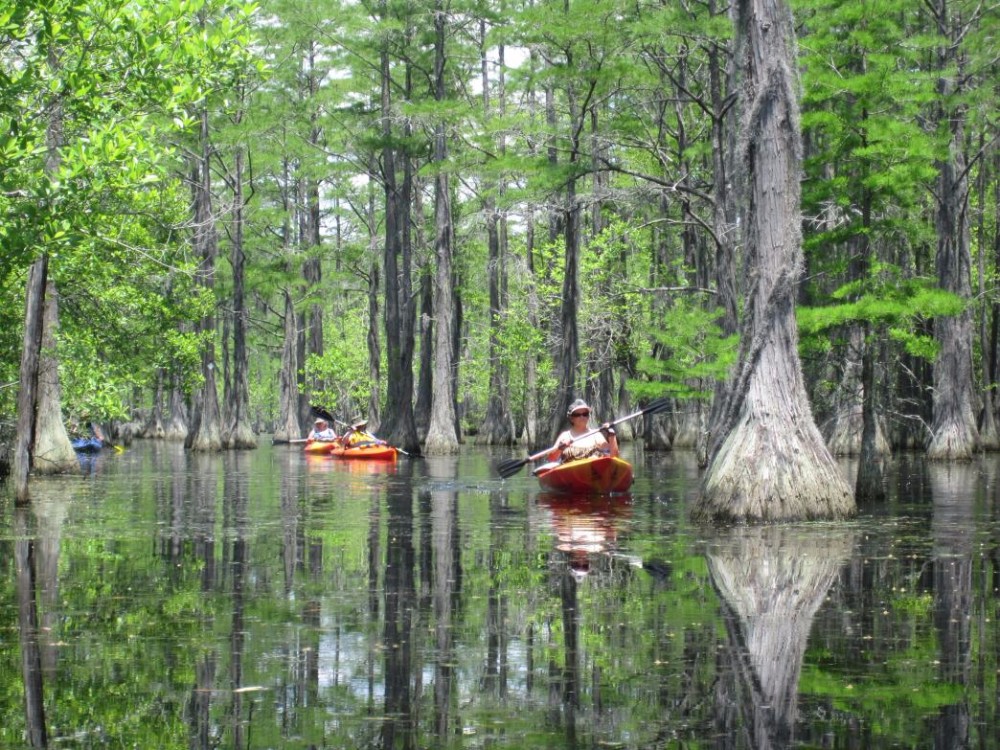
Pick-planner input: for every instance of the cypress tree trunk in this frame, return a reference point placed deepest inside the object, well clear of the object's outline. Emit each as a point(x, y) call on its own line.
point(989, 437)
point(207, 429)
point(442, 436)
point(425, 380)
point(27, 396)
point(398, 427)
point(766, 422)
point(288, 427)
point(177, 426)
point(239, 431)
point(53, 452)
point(498, 424)
point(954, 434)
point(869, 485)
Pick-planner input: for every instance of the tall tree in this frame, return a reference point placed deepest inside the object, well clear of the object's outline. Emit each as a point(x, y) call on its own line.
point(766, 421)
point(498, 424)
point(954, 433)
point(442, 437)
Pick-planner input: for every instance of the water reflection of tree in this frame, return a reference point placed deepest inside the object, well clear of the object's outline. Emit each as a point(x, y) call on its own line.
point(771, 581)
point(236, 498)
point(28, 627)
point(952, 532)
point(203, 476)
point(397, 632)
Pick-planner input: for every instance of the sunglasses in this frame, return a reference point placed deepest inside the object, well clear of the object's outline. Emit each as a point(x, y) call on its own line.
point(580, 414)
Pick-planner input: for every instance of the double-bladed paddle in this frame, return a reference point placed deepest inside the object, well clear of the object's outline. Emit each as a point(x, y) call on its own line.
point(511, 466)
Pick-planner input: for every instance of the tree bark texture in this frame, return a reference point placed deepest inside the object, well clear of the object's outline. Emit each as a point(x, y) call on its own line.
point(288, 427)
point(869, 484)
point(398, 427)
point(769, 461)
point(442, 435)
point(177, 424)
point(207, 432)
point(954, 434)
point(240, 432)
point(53, 452)
point(28, 394)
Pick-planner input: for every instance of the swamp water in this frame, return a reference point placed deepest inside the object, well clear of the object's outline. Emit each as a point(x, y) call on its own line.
point(267, 599)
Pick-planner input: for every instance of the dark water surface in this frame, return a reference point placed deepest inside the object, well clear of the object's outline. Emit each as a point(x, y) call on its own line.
point(271, 600)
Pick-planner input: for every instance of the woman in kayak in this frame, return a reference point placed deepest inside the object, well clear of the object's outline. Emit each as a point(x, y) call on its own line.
point(321, 431)
point(571, 444)
point(357, 436)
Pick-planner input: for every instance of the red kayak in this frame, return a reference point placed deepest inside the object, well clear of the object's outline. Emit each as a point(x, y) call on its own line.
point(587, 475)
point(366, 452)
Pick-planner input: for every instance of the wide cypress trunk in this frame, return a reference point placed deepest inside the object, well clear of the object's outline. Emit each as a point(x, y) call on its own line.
point(53, 453)
point(398, 426)
point(177, 425)
point(766, 421)
point(954, 434)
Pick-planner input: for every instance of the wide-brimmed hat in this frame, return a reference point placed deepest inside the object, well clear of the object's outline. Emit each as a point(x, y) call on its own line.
point(577, 406)
point(358, 423)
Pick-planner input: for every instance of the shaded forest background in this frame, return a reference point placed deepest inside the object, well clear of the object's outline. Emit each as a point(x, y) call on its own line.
point(455, 217)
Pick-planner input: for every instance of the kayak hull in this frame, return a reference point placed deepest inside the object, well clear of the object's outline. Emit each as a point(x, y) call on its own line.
point(366, 453)
point(319, 447)
point(597, 474)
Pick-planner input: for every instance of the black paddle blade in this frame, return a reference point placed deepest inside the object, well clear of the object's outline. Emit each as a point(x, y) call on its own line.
point(510, 467)
point(319, 411)
point(657, 405)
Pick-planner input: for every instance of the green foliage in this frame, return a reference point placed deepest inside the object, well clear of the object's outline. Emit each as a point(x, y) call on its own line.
point(897, 306)
point(693, 354)
point(342, 369)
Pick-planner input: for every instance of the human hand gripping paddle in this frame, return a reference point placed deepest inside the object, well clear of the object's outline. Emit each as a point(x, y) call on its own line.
point(511, 466)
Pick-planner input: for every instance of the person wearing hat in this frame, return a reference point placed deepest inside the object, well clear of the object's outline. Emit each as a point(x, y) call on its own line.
point(357, 435)
point(572, 444)
point(321, 431)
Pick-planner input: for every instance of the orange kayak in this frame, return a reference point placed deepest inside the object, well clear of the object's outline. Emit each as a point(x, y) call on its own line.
point(594, 474)
point(366, 452)
point(320, 446)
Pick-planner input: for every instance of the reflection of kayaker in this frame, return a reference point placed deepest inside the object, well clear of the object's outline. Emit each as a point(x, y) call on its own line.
point(585, 527)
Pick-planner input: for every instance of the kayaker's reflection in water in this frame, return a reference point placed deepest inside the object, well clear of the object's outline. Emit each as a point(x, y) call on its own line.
point(574, 443)
point(585, 527)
